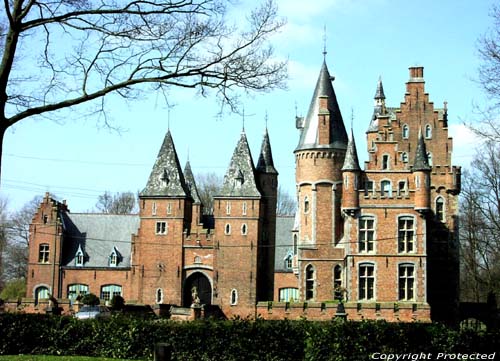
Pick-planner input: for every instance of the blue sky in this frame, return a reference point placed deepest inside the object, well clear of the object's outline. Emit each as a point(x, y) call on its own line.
point(78, 160)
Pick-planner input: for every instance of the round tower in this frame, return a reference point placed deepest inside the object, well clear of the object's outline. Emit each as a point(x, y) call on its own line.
point(351, 172)
point(421, 171)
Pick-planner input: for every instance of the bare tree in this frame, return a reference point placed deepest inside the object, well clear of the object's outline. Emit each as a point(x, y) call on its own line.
point(16, 250)
point(480, 225)
point(62, 53)
point(489, 80)
point(286, 205)
point(120, 203)
point(3, 237)
point(208, 184)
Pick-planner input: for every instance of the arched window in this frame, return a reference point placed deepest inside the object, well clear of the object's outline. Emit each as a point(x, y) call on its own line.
point(406, 131)
point(244, 229)
point(337, 282)
point(234, 297)
point(159, 295)
point(227, 229)
point(110, 291)
point(440, 215)
point(310, 283)
point(41, 293)
point(76, 290)
point(306, 204)
point(429, 158)
point(428, 131)
point(385, 188)
point(404, 157)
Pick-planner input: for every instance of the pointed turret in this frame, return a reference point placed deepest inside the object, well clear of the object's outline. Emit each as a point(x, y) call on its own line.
point(421, 162)
point(421, 169)
point(266, 163)
point(323, 126)
point(191, 183)
point(379, 108)
point(351, 161)
point(379, 94)
point(239, 180)
point(350, 171)
point(166, 178)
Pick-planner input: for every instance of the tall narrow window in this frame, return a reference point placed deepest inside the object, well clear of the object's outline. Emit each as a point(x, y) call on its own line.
point(244, 229)
point(234, 297)
point(385, 161)
point(306, 204)
point(153, 209)
point(366, 281)
point(406, 234)
point(385, 188)
point(440, 209)
point(79, 257)
point(428, 131)
point(169, 208)
point(228, 208)
point(406, 282)
point(310, 283)
point(337, 282)
point(402, 188)
point(159, 295)
point(295, 244)
point(366, 234)
point(406, 131)
point(43, 253)
point(244, 208)
point(429, 158)
point(368, 187)
point(227, 229)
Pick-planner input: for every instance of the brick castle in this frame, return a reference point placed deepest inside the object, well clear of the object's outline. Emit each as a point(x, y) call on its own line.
point(382, 239)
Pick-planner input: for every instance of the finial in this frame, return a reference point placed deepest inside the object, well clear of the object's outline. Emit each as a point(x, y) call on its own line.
point(243, 121)
point(324, 42)
point(168, 120)
point(188, 153)
point(352, 118)
point(445, 106)
point(266, 119)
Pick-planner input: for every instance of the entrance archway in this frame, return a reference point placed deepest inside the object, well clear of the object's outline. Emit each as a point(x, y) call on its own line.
point(203, 286)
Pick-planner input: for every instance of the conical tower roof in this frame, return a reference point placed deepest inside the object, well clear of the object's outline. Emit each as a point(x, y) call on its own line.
point(191, 183)
point(265, 163)
point(351, 161)
point(166, 178)
point(379, 106)
point(239, 180)
point(379, 94)
point(309, 137)
point(421, 158)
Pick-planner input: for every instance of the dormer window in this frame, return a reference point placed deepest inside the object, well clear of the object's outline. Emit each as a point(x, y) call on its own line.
point(288, 261)
point(79, 257)
point(114, 258)
point(164, 177)
point(239, 178)
point(404, 157)
point(385, 161)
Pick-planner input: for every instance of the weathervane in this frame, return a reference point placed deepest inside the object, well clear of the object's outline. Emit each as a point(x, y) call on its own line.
point(324, 42)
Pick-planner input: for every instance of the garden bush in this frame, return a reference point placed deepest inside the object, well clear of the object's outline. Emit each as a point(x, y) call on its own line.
point(134, 338)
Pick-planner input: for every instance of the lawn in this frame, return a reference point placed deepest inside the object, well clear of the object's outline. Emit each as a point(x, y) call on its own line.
point(53, 358)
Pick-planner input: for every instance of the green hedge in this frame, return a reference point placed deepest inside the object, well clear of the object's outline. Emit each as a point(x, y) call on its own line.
point(132, 338)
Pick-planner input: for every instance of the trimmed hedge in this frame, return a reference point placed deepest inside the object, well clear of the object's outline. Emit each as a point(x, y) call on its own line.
point(132, 338)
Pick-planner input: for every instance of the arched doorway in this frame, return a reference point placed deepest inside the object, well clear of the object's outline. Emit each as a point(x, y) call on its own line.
point(203, 286)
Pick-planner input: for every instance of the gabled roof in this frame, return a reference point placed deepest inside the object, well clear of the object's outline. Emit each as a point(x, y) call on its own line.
point(351, 161)
point(309, 137)
point(96, 235)
point(191, 183)
point(265, 163)
point(284, 241)
point(166, 178)
point(239, 180)
point(421, 158)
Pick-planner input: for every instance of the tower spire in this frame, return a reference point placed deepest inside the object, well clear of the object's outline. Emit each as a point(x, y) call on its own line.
point(324, 42)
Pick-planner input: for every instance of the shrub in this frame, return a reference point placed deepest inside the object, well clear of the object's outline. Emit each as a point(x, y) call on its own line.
point(90, 299)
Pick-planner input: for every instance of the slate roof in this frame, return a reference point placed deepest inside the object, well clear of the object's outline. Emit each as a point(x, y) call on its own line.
point(284, 242)
point(379, 93)
point(239, 180)
point(97, 234)
point(309, 137)
point(421, 159)
point(265, 164)
point(351, 161)
point(191, 183)
point(166, 178)
point(377, 111)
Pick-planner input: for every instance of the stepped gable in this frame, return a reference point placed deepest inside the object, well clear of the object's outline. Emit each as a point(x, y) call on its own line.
point(166, 178)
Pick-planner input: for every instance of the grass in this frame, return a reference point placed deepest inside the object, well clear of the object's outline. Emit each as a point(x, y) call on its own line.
point(53, 358)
